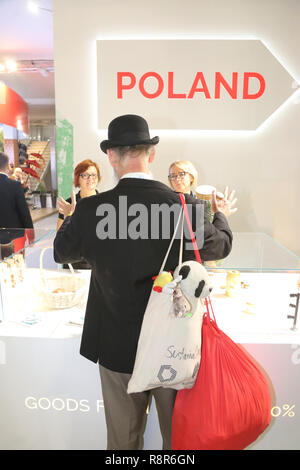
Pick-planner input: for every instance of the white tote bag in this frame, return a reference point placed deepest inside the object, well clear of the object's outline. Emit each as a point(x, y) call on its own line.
point(169, 347)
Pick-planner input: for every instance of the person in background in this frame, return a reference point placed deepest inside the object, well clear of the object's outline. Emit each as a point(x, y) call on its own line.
point(14, 211)
point(11, 168)
point(86, 178)
point(183, 177)
point(18, 176)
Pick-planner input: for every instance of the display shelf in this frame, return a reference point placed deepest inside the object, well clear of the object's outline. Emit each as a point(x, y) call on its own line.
point(24, 281)
point(258, 312)
point(29, 316)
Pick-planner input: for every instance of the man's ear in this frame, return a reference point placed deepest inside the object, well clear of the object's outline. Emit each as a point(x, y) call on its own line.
point(151, 154)
point(112, 156)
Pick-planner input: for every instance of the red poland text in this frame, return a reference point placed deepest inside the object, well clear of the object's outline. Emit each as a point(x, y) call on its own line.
point(127, 81)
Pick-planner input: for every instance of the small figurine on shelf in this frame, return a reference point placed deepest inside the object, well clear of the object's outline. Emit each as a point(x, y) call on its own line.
point(232, 283)
point(295, 306)
point(12, 270)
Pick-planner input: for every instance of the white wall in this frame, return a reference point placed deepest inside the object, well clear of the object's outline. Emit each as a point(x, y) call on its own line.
point(264, 168)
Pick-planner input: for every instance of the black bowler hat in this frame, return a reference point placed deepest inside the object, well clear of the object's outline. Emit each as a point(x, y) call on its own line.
point(128, 130)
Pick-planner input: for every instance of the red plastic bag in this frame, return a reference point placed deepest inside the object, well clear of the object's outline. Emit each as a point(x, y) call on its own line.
point(230, 403)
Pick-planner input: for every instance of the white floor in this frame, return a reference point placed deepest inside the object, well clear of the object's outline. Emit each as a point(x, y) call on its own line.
point(47, 223)
point(45, 230)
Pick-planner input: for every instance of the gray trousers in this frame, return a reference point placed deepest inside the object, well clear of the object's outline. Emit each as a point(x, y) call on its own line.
point(126, 414)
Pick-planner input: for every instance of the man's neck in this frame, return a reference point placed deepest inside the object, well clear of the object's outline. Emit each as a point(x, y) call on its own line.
point(138, 175)
point(129, 169)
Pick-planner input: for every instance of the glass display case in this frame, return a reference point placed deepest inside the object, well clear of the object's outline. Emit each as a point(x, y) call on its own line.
point(257, 251)
point(256, 290)
point(35, 291)
point(50, 396)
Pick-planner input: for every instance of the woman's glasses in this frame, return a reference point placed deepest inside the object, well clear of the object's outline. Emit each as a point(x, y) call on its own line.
point(180, 176)
point(87, 176)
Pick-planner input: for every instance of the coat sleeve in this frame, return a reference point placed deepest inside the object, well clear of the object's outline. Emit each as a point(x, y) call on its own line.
point(217, 238)
point(22, 207)
point(214, 240)
point(68, 240)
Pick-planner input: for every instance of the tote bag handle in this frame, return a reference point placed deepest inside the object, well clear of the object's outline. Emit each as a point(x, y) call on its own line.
point(183, 213)
point(196, 250)
point(172, 241)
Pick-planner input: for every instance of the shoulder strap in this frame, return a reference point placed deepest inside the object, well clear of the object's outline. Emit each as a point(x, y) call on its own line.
point(187, 218)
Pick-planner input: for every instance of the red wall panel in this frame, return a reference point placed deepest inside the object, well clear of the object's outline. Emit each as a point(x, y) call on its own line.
point(13, 109)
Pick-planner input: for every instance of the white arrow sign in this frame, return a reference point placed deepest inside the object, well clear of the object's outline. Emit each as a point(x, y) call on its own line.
point(190, 84)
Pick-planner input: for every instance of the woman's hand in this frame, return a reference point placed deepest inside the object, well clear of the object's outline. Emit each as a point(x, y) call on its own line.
point(224, 205)
point(65, 207)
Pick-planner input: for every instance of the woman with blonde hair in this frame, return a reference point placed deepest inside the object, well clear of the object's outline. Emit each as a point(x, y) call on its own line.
point(183, 177)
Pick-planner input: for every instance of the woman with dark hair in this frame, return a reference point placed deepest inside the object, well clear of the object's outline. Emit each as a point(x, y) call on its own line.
point(86, 178)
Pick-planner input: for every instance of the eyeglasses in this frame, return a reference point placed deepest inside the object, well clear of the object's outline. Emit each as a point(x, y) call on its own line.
point(180, 176)
point(87, 176)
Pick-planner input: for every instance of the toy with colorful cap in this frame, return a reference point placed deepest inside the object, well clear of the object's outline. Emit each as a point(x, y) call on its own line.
point(163, 278)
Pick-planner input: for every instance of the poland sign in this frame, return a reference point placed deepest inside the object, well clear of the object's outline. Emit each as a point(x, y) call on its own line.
point(190, 84)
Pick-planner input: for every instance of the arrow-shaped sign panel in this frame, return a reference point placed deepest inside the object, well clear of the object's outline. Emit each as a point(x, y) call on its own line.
point(191, 84)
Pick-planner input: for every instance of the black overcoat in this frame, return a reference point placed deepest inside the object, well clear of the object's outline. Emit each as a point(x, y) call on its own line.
point(122, 266)
point(14, 212)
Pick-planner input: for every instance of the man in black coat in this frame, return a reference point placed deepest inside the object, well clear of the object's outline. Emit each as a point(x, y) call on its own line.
point(126, 248)
point(14, 212)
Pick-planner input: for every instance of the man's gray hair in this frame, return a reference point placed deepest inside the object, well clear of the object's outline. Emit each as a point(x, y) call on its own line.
point(132, 150)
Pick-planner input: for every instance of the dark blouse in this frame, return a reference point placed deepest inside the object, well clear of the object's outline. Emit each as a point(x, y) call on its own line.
point(83, 264)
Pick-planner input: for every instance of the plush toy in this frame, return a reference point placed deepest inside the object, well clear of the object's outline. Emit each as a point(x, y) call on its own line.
point(195, 280)
point(161, 280)
point(190, 283)
point(181, 307)
point(194, 284)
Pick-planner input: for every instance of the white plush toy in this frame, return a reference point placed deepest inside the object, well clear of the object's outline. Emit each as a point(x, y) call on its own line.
point(195, 280)
point(193, 283)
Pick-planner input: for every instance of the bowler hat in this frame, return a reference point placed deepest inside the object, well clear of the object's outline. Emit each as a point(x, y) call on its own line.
point(129, 129)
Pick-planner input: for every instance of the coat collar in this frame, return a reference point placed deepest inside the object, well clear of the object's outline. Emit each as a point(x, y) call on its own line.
point(142, 183)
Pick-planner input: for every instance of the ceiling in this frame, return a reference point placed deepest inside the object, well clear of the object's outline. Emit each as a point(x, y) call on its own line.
point(27, 37)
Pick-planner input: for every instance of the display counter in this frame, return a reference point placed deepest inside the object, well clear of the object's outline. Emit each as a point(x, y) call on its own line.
point(50, 396)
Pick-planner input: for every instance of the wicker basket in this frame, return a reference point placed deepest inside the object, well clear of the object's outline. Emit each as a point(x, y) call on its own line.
point(62, 291)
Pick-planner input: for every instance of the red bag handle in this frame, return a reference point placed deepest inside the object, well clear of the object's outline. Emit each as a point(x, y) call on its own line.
point(183, 203)
point(196, 250)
